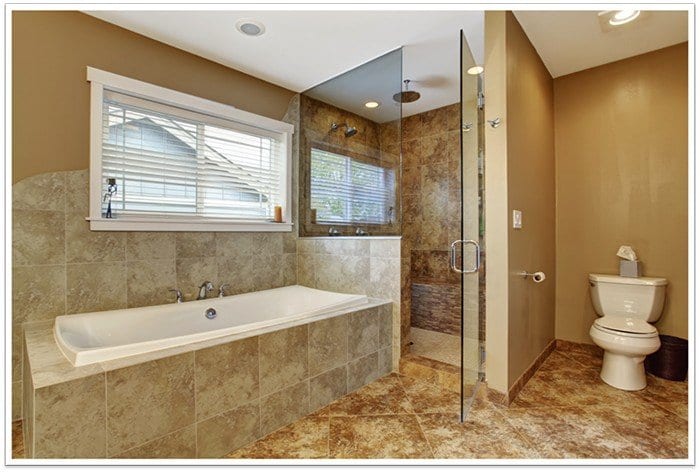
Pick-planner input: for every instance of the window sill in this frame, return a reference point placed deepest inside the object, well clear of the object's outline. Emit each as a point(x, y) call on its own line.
point(151, 224)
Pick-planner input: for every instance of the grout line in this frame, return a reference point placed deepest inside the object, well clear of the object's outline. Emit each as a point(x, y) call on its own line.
point(152, 440)
point(661, 405)
point(106, 418)
point(194, 378)
point(425, 437)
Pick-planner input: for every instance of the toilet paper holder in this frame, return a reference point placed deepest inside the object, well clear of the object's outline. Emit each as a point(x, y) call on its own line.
point(537, 277)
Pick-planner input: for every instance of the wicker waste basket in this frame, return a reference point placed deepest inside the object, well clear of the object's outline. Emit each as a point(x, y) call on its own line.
point(671, 360)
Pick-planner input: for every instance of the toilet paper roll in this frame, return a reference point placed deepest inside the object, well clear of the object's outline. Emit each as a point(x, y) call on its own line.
point(538, 277)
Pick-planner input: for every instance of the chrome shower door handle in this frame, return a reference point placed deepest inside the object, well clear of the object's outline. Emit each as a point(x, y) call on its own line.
point(453, 256)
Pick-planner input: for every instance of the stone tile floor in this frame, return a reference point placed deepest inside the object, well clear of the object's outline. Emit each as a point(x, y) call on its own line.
point(564, 411)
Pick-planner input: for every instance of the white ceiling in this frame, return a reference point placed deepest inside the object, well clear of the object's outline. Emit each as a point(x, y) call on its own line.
point(570, 41)
point(301, 49)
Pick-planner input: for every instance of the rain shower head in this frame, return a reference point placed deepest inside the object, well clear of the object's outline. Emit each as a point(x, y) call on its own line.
point(407, 96)
point(350, 131)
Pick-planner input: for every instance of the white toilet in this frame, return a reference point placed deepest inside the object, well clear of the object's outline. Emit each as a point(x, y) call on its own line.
point(626, 306)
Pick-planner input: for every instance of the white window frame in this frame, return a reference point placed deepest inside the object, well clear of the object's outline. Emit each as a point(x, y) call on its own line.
point(101, 80)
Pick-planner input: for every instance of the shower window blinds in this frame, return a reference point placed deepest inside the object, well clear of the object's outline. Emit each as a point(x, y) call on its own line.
point(347, 190)
point(174, 164)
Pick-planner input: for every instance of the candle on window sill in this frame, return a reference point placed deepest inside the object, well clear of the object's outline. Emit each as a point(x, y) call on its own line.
point(278, 214)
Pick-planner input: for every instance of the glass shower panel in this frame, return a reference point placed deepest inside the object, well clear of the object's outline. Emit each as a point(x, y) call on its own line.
point(349, 148)
point(472, 242)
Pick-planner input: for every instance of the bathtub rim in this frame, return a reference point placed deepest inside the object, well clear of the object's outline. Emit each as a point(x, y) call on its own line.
point(79, 356)
point(48, 365)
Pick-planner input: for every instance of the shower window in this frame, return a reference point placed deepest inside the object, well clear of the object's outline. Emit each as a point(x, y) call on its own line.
point(162, 160)
point(347, 190)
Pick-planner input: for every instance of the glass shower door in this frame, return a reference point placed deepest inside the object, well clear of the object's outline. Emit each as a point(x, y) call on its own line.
point(472, 239)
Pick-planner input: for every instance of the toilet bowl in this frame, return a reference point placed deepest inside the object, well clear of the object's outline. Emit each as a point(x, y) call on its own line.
point(626, 305)
point(623, 361)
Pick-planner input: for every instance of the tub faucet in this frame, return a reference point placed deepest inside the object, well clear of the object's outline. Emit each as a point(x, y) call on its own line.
point(204, 289)
point(178, 294)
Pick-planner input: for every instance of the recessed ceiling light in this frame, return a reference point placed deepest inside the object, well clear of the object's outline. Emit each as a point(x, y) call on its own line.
point(250, 27)
point(623, 16)
point(476, 70)
point(372, 104)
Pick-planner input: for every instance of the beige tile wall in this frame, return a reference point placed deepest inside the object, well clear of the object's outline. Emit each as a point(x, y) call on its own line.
point(61, 267)
point(357, 265)
point(209, 402)
point(431, 198)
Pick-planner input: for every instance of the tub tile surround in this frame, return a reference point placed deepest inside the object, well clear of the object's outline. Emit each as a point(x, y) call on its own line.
point(204, 401)
point(61, 267)
point(361, 265)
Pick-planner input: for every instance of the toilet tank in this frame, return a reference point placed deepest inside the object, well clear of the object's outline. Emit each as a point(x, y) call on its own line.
point(640, 297)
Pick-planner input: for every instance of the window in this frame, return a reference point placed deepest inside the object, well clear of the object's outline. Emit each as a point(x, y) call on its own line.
point(347, 190)
point(183, 163)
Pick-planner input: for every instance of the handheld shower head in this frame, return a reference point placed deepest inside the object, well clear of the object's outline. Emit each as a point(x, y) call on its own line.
point(350, 131)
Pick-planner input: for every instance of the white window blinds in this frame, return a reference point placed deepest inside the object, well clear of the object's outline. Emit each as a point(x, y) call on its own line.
point(168, 161)
point(347, 190)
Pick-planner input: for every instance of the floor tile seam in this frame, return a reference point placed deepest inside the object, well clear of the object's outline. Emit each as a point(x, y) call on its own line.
point(523, 437)
point(660, 404)
point(540, 407)
point(647, 394)
point(609, 432)
point(425, 436)
point(254, 441)
point(328, 436)
point(540, 448)
point(585, 366)
point(370, 415)
point(406, 394)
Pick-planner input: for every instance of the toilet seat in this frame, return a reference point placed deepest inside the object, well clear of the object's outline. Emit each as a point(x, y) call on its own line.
point(625, 326)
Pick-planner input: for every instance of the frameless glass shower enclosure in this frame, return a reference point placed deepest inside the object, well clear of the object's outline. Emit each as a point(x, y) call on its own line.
point(379, 157)
point(471, 265)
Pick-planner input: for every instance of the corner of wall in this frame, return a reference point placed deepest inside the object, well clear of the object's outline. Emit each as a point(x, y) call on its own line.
point(497, 203)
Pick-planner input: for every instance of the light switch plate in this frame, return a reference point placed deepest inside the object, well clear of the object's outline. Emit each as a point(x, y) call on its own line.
point(517, 219)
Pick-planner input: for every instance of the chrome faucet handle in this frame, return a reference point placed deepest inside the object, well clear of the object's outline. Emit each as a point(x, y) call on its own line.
point(205, 288)
point(178, 294)
point(223, 287)
point(333, 232)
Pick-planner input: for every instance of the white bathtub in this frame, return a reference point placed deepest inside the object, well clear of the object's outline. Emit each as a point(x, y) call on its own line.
point(102, 336)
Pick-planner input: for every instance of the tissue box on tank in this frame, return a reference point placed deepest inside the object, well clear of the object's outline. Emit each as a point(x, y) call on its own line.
point(630, 268)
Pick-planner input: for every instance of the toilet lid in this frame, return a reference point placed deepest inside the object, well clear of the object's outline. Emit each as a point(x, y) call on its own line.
point(625, 324)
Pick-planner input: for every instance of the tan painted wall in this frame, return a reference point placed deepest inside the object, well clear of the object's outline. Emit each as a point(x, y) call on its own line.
point(622, 157)
point(520, 152)
point(530, 189)
point(496, 207)
point(51, 96)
